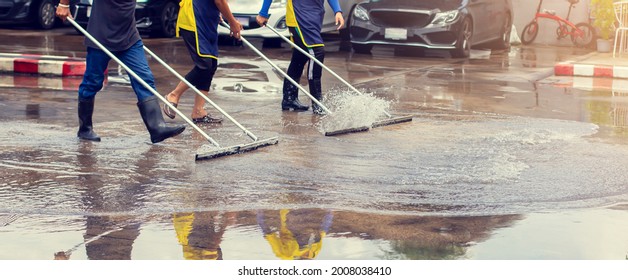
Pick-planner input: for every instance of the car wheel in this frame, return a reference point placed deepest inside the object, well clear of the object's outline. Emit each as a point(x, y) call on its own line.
point(228, 41)
point(463, 44)
point(272, 43)
point(345, 40)
point(362, 48)
point(84, 26)
point(504, 41)
point(45, 15)
point(345, 34)
point(167, 21)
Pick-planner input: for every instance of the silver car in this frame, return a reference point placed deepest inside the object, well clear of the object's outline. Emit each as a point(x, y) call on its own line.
point(454, 25)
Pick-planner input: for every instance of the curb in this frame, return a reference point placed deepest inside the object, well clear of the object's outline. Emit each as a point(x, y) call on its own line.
point(42, 64)
point(588, 70)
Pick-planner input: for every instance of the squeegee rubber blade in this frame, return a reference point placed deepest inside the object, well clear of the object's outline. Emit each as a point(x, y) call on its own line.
point(347, 130)
point(394, 120)
point(237, 149)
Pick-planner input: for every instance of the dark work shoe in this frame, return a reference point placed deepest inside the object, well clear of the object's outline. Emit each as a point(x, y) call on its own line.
point(294, 105)
point(318, 110)
point(316, 92)
point(89, 135)
point(207, 119)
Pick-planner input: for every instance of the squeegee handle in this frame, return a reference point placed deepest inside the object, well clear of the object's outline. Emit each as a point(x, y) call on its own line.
point(258, 52)
point(141, 81)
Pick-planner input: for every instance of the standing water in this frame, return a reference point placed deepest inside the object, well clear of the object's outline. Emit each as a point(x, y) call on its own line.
point(434, 188)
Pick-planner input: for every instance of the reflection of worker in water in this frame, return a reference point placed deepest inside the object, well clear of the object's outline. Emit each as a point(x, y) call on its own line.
point(111, 237)
point(304, 18)
point(299, 235)
point(200, 233)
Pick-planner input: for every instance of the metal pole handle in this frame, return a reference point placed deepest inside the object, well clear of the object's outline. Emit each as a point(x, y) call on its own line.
point(317, 62)
point(163, 63)
point(246, 42)
point(142, 82)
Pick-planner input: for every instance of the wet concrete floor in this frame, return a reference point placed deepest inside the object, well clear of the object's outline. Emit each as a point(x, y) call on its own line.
point(501, 161)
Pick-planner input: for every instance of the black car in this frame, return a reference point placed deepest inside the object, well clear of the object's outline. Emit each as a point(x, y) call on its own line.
point(41, 13)
point(453, 25)
point(158, 18)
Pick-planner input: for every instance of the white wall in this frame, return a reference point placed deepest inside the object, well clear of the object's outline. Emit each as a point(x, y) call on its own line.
point(524, 10)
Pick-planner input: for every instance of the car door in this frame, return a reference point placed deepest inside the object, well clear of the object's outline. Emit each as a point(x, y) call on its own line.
point(497, 13)
point(481, 19)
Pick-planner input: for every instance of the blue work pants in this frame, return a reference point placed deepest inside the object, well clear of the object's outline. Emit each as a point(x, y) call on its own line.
point(96, 66)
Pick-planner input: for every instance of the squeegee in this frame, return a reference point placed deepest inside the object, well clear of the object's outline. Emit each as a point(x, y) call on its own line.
point(389, 121)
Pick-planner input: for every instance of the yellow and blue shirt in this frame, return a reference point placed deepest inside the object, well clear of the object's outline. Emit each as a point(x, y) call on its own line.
point(201, 17)
point(306, 16)
point(196, 246)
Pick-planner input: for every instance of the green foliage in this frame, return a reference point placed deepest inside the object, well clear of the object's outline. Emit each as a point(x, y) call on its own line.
point(604, 17)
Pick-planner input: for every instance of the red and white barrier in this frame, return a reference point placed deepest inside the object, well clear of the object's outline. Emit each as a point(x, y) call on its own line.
point(588, 70)
point(41, 65)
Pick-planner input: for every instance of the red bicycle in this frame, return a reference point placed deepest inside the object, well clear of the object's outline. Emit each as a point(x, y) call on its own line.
point(582, 34)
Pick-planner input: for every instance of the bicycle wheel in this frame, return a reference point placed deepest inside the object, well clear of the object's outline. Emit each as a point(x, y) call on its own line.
point(529, 32)
point(585, 37)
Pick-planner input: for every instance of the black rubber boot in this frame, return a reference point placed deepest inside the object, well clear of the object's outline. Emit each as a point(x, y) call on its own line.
point(153, 119)
point(316, 92)
point(85, 112)
point(291, 99)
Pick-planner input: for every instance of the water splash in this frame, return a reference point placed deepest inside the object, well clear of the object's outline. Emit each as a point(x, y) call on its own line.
point(350, 111)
